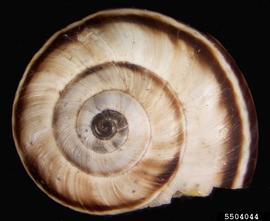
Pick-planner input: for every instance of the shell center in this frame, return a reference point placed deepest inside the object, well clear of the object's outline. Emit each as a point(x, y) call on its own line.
point(107, 123)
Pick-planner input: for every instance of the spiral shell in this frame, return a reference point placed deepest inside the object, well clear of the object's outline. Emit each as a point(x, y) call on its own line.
point(128, 108)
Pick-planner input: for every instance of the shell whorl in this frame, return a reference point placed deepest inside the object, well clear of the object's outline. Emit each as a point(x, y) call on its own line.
point(125, 108)
point(88, 99)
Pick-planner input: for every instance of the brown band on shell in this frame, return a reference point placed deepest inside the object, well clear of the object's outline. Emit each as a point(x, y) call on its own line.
point(171, 168)
point(253, 123)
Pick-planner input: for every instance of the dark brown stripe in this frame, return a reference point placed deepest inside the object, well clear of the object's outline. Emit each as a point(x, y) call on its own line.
point(252, 116)
point(171, 167)
point(18, 109)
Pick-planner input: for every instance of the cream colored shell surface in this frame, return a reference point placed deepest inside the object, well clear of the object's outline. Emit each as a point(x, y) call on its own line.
point(128, 108)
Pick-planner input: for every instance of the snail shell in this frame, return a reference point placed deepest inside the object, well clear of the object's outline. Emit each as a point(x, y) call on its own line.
point(128, 108)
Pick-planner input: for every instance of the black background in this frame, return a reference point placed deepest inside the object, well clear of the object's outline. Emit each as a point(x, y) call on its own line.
point(241, 28)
